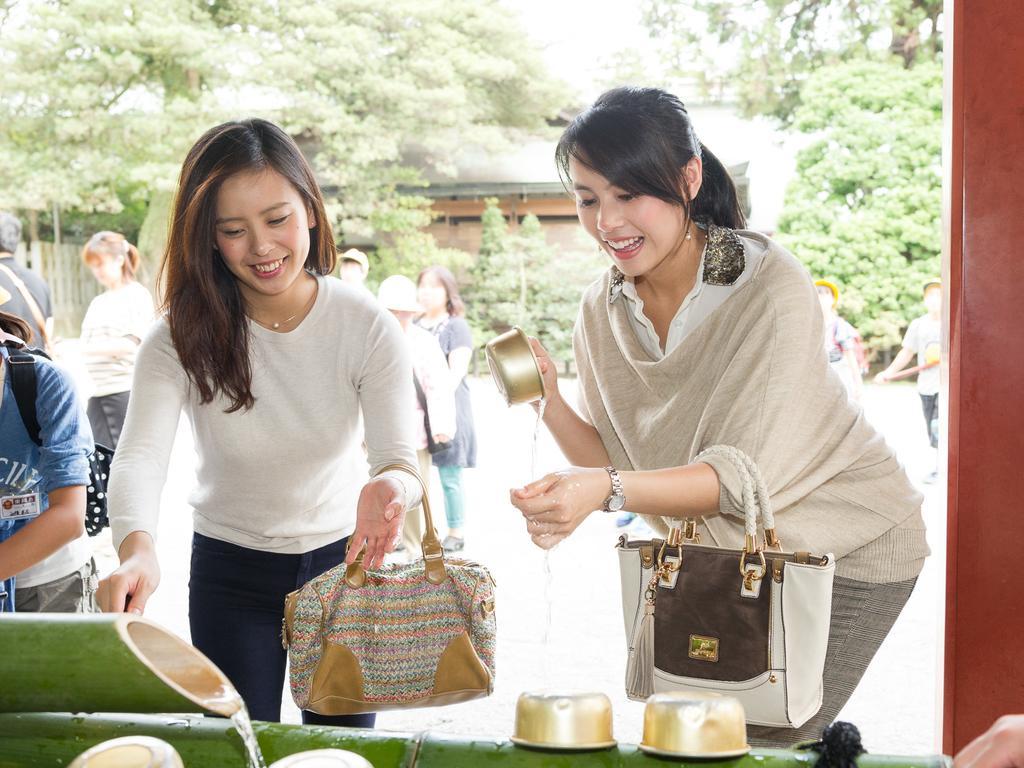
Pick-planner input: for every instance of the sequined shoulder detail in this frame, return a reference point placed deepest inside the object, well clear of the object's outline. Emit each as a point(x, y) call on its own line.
point(725, 259)
point(615, 283)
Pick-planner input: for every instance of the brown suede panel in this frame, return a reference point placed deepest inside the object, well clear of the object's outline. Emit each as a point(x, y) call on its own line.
point(706, 603)
point(460, 669)
point(338, 676)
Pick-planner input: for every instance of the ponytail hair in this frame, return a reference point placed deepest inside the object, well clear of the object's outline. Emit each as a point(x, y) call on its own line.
point(15, 326)
point(640, 139)
point(112, 245)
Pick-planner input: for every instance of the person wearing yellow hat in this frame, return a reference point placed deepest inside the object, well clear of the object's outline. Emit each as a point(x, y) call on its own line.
point(354, 267)
point(923, 340)
point(841, 340)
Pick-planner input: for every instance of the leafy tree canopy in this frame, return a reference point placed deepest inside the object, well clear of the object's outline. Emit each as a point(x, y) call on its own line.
point(762, 51)
point(864, 207)
point(104, 96)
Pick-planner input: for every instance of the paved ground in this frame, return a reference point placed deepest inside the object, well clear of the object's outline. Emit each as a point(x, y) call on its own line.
point(895, 706)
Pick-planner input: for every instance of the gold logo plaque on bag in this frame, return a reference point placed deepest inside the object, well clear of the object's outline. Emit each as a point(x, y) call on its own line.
point(703, 648)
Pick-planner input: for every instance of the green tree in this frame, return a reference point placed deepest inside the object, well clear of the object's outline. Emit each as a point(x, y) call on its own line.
point(762, 51)
point(520, 279)
point(97, 95)
point(102, 96)
point(864, 208)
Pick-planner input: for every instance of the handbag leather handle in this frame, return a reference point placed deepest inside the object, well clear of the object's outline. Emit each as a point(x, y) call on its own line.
point(430, 546)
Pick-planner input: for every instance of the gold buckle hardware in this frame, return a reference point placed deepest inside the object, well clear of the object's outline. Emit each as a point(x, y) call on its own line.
point(690, 532)
point(675, 537)
point(646, 555)
point(771, 539)
point(666, 568)
point(749, 577)
point(743, 562)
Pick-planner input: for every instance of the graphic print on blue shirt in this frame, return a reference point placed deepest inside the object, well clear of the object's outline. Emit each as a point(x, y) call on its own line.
point(67, 440)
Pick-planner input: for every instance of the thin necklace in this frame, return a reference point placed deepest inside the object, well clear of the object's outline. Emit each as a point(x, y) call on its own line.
point(275, 326)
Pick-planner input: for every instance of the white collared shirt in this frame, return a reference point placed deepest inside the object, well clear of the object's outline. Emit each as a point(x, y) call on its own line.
point(698, 304)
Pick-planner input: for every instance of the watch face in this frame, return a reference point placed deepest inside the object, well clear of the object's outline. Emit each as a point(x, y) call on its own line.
point(615, 503)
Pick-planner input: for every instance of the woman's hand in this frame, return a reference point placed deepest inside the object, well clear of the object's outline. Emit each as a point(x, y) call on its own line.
point(380, 514)
point(1001, 746)
point(555, 505)
point(882, 377)
point(128, 588)
point(548, 372)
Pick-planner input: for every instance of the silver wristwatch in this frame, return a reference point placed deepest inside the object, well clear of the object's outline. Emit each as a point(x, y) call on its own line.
point(617, 500)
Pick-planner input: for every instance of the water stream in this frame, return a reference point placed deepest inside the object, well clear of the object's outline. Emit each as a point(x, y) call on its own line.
point(548, 574)
point(243, 725)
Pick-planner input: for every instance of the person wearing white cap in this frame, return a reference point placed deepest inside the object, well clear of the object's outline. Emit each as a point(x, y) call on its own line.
point(435, 400)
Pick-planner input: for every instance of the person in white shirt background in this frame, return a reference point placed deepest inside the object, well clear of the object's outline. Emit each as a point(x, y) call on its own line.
point(435, 398)
point(112, 330)
point(272, 361)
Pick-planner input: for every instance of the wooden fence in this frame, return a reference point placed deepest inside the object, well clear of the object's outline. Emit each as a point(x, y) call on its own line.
point(72, 285)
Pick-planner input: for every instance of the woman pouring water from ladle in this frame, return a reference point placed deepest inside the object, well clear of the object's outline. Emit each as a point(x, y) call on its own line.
point(701, 333)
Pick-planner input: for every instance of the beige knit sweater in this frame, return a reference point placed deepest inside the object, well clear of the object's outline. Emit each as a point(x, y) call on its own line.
point(755, 376)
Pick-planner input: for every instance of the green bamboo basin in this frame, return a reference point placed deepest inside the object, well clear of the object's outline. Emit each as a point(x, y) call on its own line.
point(53, 740)
point(105, 662)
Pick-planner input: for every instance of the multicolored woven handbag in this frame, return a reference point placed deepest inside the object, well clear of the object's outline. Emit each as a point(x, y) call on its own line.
point(420, 634)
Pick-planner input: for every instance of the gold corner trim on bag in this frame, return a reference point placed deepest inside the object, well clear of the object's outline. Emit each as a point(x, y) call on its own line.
point(337, 676)
point(460, 668)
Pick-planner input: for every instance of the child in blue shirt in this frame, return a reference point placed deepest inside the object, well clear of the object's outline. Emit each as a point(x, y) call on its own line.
point(42, 489)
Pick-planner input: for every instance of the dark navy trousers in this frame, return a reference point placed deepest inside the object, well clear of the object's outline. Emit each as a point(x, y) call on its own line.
point(235, 609)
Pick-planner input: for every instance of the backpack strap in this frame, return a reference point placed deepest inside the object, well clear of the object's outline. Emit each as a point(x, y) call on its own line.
point(30, 300)
point(21, 366)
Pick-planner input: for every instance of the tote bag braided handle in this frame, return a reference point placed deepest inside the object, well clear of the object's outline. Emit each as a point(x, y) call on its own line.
point(756, 502)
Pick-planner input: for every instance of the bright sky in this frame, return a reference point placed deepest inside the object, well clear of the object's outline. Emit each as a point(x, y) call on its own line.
point(577, 34)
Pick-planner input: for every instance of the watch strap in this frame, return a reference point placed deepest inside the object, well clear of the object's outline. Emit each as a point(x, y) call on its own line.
point(616, 487)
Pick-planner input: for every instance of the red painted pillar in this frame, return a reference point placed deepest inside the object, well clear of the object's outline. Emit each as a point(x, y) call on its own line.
point(984, 264)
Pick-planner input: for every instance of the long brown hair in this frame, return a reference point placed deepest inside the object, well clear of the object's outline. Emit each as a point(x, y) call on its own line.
point(15, 326)
point(443, 275)
point(205, 308)
point(112, 245)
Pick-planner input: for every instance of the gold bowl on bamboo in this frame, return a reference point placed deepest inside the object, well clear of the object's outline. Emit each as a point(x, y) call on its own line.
point(563, 721)
point(129, 752)
point(323, 758)
point(694, 724)
point(514, 367)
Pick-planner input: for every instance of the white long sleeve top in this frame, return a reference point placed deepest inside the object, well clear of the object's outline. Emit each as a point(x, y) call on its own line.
point(285, 475)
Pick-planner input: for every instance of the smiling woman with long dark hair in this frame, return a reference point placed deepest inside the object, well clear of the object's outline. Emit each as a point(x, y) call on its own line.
point(700, 334)
point(272, 361)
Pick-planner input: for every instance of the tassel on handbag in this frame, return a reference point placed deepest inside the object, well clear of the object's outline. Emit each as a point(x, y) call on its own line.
point(640, 668)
